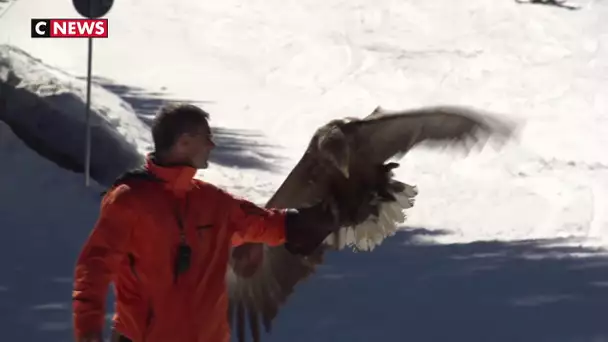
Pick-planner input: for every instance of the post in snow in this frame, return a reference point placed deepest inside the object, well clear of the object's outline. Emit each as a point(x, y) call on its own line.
point(91, 9)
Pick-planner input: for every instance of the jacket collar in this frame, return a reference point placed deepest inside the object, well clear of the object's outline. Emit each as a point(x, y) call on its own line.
point(176, 178)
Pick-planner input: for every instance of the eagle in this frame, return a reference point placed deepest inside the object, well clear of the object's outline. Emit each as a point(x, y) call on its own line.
point(347, 159)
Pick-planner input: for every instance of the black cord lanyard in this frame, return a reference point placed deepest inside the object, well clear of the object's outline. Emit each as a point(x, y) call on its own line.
point(180, 221)
point(184, 252)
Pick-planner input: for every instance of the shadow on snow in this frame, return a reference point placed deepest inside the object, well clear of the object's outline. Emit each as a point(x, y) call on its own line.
point(555, 3)
point(525, 291)
point(403, 291)
point(235, 147)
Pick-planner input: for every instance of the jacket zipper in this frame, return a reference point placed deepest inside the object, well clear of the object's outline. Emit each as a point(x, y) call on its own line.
point(149, 320)
point(150, 312)
point(132, 265)
point(180, 218)
point(180, 222)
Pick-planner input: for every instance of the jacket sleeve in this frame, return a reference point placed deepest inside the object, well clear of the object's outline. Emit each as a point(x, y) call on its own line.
point(251, 223)
point(98, 261)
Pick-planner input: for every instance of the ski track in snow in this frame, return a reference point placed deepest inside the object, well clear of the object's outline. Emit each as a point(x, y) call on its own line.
point(5, 5)
point(502, 246)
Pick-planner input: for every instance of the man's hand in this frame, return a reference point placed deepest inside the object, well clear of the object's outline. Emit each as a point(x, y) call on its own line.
point(306, 228)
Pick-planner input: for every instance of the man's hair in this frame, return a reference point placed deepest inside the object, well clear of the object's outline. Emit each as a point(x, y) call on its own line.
point(173, 120)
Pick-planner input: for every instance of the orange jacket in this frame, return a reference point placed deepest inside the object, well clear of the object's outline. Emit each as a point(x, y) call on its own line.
point(134, 245)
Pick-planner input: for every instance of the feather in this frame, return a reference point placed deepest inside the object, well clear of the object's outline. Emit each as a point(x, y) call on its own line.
point(365, 146)
point(387, 134)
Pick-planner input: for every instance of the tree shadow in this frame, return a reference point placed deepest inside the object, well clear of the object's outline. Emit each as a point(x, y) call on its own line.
point(487, 291)
point(144, 102)
point(235, 147)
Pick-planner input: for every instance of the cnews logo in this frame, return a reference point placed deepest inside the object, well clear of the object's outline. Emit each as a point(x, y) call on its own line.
point(69, 28)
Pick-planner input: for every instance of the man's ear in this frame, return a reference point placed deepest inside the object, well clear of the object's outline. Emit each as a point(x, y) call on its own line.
point(182, 141)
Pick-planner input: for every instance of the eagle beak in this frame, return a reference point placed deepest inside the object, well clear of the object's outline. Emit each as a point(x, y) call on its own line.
point(344, 170)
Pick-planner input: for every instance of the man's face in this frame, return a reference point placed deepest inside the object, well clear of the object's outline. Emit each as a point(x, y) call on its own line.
point(197, 146)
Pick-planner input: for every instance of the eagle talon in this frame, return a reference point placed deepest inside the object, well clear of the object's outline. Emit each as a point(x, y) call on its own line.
point(389, 166)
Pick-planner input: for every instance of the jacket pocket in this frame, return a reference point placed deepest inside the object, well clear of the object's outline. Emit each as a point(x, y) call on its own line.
point(201, 229)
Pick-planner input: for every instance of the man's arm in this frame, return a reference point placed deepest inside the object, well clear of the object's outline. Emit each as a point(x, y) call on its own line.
point(253, 224)
point(301, 230)
point(98, 261)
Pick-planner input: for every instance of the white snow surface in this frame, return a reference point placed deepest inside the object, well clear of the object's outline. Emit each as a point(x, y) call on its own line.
point(502, 245)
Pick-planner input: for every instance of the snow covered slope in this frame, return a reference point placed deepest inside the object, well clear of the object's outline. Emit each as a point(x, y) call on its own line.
point(46, 108)
point(45, 214)
point(284, 67)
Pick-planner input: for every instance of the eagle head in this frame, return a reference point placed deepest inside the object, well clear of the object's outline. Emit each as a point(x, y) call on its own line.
point(334, 149)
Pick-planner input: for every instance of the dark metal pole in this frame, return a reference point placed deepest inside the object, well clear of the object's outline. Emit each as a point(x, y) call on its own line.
point(87, 162)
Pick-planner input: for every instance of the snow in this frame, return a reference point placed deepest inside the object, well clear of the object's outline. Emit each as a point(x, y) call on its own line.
point(511, 248)
point(46, 214)
point(50, 106)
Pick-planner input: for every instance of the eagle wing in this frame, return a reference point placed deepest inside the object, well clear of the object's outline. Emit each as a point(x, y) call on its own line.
point(387, 134)
point(256, 299)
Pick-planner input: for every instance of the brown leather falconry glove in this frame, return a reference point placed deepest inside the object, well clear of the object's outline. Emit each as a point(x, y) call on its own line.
point(306, 228)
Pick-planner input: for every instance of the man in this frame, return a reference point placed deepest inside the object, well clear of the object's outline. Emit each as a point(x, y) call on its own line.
point(163, 239)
